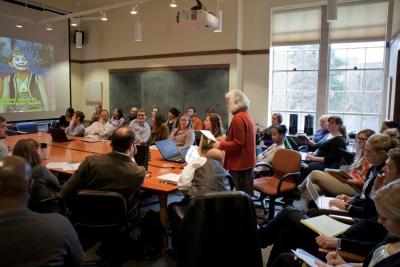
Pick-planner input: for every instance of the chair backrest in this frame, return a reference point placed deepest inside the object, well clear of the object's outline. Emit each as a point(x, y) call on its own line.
point(27, 127)
point(219, 229)
point(286, 161)
point(142, 156)
point(98, 211)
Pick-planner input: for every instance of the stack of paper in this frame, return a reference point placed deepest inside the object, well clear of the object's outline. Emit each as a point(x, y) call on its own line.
point(325, 225)
point(170, 177)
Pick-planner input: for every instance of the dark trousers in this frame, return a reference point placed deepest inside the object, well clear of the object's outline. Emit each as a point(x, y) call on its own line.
point(286, 232)
point(243, 180)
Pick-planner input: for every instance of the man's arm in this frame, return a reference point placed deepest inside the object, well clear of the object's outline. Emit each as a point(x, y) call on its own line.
point(75, 183)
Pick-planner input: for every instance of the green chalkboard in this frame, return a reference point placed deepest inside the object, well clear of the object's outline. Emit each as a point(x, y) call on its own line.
point(180, 88)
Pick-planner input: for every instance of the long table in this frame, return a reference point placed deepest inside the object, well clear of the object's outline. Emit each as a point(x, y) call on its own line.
point(77, 150)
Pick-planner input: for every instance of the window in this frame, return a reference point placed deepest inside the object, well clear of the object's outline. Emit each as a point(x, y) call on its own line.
point(356, 83)
point(294, 79)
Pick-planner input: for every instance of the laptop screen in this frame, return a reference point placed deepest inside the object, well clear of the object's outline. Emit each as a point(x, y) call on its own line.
point(167, 148)
point(191, 153)
point(311, 189)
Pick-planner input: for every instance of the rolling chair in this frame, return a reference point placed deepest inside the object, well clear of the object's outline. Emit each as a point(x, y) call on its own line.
point(283, 180)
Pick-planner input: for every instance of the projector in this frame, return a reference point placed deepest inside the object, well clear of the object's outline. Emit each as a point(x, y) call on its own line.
point(197, 19)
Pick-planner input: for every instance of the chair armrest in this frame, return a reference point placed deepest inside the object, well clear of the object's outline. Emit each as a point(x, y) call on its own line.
point(346, 255)
point(266, 172)
point(283, 178)
point(343, 219)
point(261, 163)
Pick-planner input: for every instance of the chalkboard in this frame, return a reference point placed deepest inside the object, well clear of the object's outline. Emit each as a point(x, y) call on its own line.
point(180, 88)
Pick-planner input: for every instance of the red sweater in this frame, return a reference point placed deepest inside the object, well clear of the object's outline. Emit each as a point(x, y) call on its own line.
point(240, 143)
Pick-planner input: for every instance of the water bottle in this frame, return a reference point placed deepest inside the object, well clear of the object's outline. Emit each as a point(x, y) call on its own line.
point(43, 151)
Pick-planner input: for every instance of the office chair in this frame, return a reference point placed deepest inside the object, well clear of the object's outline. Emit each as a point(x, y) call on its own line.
point(282, 181)
point(219, 229)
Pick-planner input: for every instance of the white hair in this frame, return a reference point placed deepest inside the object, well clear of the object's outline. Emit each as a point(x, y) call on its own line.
point(236, 101)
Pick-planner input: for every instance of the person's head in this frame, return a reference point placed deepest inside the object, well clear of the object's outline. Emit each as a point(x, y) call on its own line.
point(79, 116)
point(377, 147)
point(392, 132)
point(216, 154)
point(362, 137)
point(388, 125)
point(18, 60)
point(278, 133)
point(133, 112)
point(141, 116)
point(155, 111)
point(323, 122)
point(158, 120)
point(392, 166)
point(387, 201)
point(69, 112)
point(236, 101)
point(123, 140)
point(117, 113)
point(191, 111)
point(104, 116)
point(209, 110)
point(28, 149)
point(184, 122)
point(173, 113)
point(277, 118)
point(3, 127)
point(98, 108)
point(15, 177)
point(335, 124)
point(213, 123)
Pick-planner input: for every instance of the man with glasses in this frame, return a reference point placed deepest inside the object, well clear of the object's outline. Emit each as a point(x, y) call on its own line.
point(141, 128)
point(3, 133)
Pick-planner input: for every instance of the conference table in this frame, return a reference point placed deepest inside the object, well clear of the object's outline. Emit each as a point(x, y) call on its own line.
point(76, 151)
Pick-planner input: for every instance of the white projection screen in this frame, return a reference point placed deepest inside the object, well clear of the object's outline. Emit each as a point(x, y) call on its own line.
point(34, 65)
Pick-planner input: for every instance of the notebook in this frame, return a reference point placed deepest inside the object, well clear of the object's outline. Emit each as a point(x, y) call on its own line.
point(58, 135)
point(170, 152)
point(325, 225)
point(338, 174)
point(307, 257)
point(322, 202)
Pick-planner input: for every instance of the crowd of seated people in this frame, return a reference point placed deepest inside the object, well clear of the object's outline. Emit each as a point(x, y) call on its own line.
point(233, 156)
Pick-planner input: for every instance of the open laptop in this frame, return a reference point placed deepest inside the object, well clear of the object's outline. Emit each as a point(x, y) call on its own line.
point(322, 202)
point(58, 135)
point(170, 152)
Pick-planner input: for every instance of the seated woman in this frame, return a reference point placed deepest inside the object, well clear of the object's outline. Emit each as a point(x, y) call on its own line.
point(172, 121)
point(45, 184)
point(160, 130)
point(326, 183)
point(183, 135)
point(76, 127)
point(389, 125)
point(212, 123)
point(267, 136)
point(278, 133)
point(117, 119)
point(328, 154)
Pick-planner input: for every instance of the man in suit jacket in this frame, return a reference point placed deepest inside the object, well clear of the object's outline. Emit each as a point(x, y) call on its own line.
point(115, 171)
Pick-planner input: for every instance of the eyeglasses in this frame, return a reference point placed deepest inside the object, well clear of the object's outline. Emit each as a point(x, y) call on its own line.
point(361, 139)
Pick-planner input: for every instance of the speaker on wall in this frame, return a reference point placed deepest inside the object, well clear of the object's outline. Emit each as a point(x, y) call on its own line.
point(293, 120)
point(79, 39)
point(309, 124)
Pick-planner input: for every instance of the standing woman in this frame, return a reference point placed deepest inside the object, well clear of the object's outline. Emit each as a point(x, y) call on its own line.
point(239, 145)
point(160, 130)
point(183, 135)
point(45, 184)
point(213, 123)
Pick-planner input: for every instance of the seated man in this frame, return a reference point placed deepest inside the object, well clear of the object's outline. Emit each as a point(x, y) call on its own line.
point(115, 171)
point(101, 128)
point(141, 128)
point(3, 132)
point(29, 238)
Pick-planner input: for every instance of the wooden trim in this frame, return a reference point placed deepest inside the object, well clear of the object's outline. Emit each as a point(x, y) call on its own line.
point(189, 67)
point(185, 54)
point(396, 110)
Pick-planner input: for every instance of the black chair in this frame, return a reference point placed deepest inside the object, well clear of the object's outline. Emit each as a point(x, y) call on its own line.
point(219, 229)
point(142, 156)
point(26, 127)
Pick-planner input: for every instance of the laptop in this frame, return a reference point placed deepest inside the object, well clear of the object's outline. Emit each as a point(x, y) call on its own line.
point(58, 135)
point(170, 152)
point(322, 202)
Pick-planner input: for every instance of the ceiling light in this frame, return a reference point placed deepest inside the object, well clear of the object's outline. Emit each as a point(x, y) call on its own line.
point(103, 16)
point(48, 27)
point(173, 4)
point(134, 10)
point(19, 25)
point(74, 22)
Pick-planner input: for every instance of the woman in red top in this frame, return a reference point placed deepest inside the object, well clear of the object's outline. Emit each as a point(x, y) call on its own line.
point(239, 145)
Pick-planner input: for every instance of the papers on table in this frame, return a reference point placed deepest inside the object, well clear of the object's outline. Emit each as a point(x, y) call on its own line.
point(325, 225)
point(170, 178)
point(209, 135)
point(303, 156)
point(65, 166)
point(306, 257)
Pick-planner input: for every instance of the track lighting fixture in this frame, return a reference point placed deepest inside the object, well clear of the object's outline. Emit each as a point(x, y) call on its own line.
point(49, 27)
point(103, 16)
point(134, 10)
point(173, 4)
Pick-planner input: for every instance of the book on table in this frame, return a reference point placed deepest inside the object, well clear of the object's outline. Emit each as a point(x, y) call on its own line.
point(325, 225)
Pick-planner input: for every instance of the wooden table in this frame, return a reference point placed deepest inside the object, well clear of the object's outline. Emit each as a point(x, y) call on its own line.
point(77, 150)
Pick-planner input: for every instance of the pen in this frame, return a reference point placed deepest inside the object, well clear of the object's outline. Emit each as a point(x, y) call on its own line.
point(338, 246)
